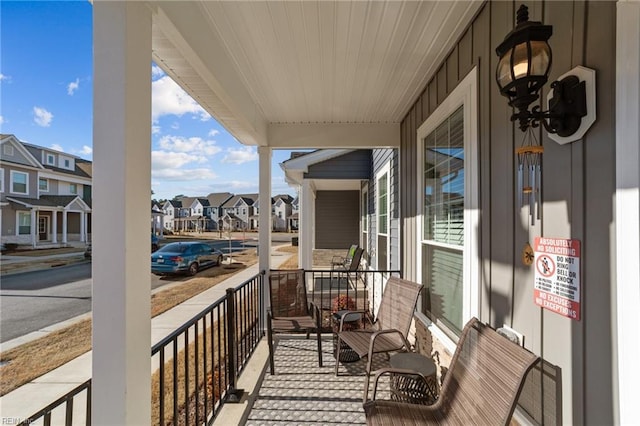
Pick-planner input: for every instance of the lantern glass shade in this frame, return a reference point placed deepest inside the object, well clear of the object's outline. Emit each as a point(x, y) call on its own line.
point(515, 64)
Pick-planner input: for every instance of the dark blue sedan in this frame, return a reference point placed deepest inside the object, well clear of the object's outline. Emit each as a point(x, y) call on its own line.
point(184, 257)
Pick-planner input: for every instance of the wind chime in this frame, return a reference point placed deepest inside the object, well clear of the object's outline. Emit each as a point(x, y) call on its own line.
point(530, 173)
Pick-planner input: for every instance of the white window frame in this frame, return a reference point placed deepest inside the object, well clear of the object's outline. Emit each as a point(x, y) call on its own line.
point(51, 159)
point(25, 213)
point(13, 173)
point(365, 220)
point(386, 169)
point(466, 95)
point(1, 180)
point(47, 181)
point(8, 149)
point(73, 185)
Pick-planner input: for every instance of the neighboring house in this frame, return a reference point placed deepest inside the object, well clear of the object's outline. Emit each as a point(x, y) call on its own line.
point(282, 210)
point(171, 209)
point(238, 210)
point(45, 195)
point(214, 211)
point(295, 212)
point(157, 219)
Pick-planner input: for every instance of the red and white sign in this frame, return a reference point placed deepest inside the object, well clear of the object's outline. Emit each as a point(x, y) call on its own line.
point(557, 275)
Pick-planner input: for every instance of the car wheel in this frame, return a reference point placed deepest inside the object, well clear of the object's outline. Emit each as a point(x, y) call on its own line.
point(219, 261)
point(193, 268)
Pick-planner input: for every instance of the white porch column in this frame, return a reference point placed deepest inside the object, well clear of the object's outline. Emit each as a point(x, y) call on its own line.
point(264, 229)
point(34, 227)
point(54, 227)
point(83, 227)
point(122, 168)
point(627, 213)
point(64, 226)
point(306, 225)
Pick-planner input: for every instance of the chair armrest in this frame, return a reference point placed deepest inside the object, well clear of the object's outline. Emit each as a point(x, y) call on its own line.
point(337, 260)
point(374, 336)
point(389, 370)
point(346, 316)
point(315, 311)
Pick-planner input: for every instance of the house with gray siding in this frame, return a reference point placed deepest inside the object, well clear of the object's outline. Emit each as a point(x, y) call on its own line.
point(418, 78)
point(45, 195)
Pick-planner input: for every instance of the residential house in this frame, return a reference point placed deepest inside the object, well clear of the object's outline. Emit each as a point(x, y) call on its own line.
point(157, 219)
point(45, 195)
point(237, 211)
point(213, 212)
point(429, 94)
point(295, 212)
point(282, 210)
point(171, 210)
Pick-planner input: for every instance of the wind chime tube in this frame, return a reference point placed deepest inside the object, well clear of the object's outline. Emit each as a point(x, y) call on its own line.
point(520, 186)
point(539, 185)
point(532, 194)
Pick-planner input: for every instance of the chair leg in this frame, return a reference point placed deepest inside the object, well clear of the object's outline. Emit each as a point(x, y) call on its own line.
point(338, 344)
point(367, 373)
point(319, 347)
point(270, 341)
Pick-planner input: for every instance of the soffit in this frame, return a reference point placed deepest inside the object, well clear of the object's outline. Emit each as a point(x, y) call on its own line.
point(256, 65)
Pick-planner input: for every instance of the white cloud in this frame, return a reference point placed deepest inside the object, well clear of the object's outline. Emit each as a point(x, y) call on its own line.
point(4, 77)
point(161, 160)
point(73, 86)
point(184, 174)
point(175, 125)
point(86, 151)
point(169, 99)
point(193, 145)
point(155, 130)
point(1, 119)
point(213, 132)
point(156, 71)
point(57, 147)
point(240, 155)
point(42, 117)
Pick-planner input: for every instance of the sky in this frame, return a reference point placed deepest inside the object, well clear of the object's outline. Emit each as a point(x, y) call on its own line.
point(46, 84)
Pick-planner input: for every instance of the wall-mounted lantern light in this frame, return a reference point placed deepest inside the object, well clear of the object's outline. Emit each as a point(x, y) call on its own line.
point(523, 69)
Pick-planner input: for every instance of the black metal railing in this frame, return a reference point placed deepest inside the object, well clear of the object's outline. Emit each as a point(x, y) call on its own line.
point(360, 290)
point(198, 364)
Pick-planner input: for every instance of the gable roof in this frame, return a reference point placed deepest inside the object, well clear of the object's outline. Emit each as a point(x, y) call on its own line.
point(60, 201)
point(216, 199)
point(36, 151)
point(248, 199)
point(20, 146)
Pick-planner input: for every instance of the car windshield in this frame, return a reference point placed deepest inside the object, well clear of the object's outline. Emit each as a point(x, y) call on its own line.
point(174, 248)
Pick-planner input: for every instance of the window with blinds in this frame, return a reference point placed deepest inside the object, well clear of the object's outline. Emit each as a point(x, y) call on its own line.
point(443, 222)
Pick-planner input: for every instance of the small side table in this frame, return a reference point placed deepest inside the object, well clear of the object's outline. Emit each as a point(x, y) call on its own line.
point(346, 353)
point(406, 388)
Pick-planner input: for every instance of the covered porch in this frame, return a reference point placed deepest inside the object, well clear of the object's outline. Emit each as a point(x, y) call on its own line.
point(350, 75)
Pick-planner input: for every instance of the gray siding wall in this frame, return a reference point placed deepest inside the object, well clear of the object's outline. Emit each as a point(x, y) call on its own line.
point(382, 157)
point(352, 165)
point(337, 219)
point(578, 192)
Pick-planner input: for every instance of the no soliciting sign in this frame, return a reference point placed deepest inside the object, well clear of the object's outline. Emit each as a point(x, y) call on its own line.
point(557, 276)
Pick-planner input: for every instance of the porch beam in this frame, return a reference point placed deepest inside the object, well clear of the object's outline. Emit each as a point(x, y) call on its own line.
point(121, 392)
point(334, 135)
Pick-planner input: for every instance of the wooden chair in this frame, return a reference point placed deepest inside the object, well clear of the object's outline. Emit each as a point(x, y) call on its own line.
point(389, 331)
point(290, 311)
point(482, 386)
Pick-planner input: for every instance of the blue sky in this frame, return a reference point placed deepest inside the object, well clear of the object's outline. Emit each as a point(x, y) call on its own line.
point(46, 99)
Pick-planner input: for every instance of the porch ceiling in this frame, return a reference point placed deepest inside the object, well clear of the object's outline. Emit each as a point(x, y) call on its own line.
point(310, 73)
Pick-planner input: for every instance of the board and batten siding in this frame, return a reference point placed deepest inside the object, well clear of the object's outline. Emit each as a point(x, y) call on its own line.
point(337, 219)
point(578, 186)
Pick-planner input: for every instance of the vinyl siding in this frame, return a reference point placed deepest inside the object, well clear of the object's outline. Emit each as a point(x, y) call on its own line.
point(577, 203)
point(337, 219)
point(353, 165)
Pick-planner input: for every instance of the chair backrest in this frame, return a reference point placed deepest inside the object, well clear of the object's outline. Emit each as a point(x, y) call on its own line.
point(288, 293)
point(354, 263)
point(350, 253)
point(485, 377)
point(398, 304)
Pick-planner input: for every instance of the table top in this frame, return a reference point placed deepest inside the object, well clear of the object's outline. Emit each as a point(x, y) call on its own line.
point(355, 316)
point(413, 361)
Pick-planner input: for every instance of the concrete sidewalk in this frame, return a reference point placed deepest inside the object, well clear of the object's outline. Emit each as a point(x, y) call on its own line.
point(39, 393)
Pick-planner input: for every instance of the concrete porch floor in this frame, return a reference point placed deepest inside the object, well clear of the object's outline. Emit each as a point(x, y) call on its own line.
point(300, 393)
